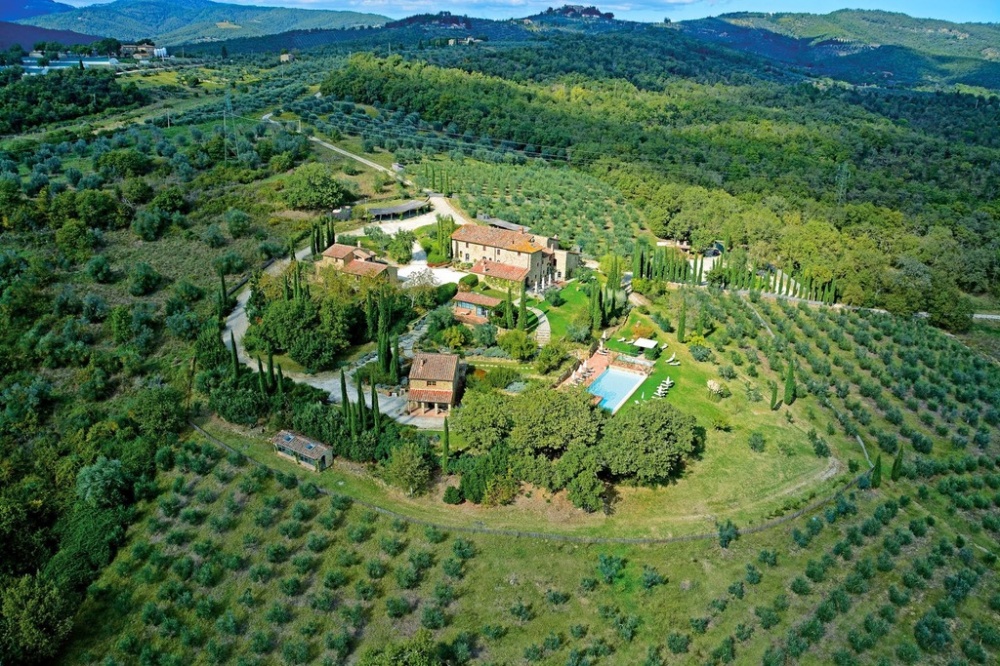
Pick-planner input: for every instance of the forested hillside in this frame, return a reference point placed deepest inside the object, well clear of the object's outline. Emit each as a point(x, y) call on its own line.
point(179, 21)
point(864, 47)
point(886, 192)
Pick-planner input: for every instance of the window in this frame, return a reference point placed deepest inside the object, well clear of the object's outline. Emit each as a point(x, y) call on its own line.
point(432, 383)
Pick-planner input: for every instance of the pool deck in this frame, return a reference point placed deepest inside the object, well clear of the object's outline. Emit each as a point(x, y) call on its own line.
point(595, 366)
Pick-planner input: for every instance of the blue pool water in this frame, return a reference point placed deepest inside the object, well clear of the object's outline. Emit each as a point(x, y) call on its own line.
point(614, 386)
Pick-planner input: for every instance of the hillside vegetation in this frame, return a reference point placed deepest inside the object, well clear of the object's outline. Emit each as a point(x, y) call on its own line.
point(864, 47)
point(172, 22)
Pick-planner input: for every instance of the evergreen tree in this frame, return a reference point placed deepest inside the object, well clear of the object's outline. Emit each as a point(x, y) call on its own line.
point(345, 400)
point(260, 379)
point(897, 466)
point(682, 319)
point(362, 416)
point(270, 370)
point(445, 448)
point(790, 382)
point(522, 309)
point(596, 317)
point(394, 366)
point(508, 315)
point(235, 357)
point(774, 396)
point(384, 355)
point(281, 386)
point(877, 472)
point(376, 415)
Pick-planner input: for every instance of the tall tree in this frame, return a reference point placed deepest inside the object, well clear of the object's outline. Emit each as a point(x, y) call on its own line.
point(522, 309)
point(877, 472)
point(508, 315)
point(897, 466)
point(345, 400)
point(682, 319)
point(235, 357)
point(445, 447)
point(376, 415)
point(790, 382)
point(394, 367)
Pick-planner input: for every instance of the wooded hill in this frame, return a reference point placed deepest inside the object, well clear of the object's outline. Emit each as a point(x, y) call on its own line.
point(178, 21)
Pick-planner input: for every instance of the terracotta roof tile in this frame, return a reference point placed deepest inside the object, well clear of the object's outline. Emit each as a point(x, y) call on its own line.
point(430, 395)
point(475, 298)
point(339, 251)
point(494, 237)
point(434, 367)
point(365, 268)
point(500, 271)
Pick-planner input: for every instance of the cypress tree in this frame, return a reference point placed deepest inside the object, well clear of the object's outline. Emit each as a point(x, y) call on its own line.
point(376, 416)
point(394, 366)
point(362, 419)
point(384, 356)
point(877, 472)
point(345, 400)
point(508, 315)
point(897, 466)
point(281, 384)
point(285, 290)
point(270, 370)
point(774, 396)
point(235, 357)
point(790, 383)
point(682, 320)
point(261, 382)
point(701, 267)
point(445, 448)
point(522, 309)
point(223, 295)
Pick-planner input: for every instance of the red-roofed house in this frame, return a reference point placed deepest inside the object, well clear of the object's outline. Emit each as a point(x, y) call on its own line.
point(356, 261)
point(433, 385)
point(512, 255)
point(472, 307)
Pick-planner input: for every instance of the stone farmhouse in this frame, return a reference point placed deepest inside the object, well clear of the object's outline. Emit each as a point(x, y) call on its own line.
point(516, 256)
point(434, 384)
point(357, 262)
point(304, 451)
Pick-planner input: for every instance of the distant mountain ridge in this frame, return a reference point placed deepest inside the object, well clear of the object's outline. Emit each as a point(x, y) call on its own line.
point(864, 47)
point(171, 22)
point(13, 10)
point(27, 35)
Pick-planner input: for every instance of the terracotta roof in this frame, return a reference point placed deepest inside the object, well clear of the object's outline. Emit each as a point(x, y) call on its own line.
point(339, 251)
point(430, 395)
point(475, 298)
point(365, 268)
point(501, 271)
point(306, 448)
point(434, 367)
point(494, 237)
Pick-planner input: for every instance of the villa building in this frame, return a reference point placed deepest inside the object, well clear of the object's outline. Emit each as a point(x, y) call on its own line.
point(357, 262)
point(473, 308)
point(512, 256)
point(434, 384)
point(304, 451)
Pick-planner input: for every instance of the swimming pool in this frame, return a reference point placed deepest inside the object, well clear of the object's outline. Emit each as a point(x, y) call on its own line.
point(615, 386)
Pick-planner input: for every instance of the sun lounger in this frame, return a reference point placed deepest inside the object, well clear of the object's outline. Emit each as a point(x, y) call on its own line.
point(621, 339)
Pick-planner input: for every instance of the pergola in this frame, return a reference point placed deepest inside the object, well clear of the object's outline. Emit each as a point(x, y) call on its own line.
point(645, 343)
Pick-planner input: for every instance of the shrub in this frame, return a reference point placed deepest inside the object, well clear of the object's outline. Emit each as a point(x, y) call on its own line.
point(678, 643)
point(144, 279)
point(453, 495)
point(756, 441)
